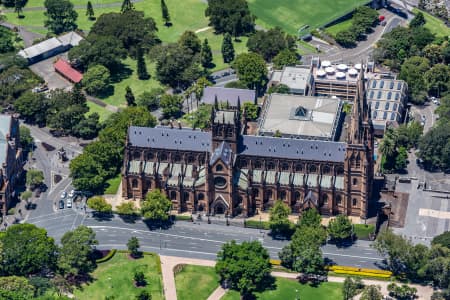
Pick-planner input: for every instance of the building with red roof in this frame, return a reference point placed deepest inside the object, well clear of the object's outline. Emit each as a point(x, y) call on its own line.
point(65, 69)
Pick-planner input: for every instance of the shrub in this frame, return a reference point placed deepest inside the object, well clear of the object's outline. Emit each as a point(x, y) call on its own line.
point(257, 224)
point(107, 256)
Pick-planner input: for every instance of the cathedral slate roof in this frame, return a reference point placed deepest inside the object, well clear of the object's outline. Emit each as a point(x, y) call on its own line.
point(223, 152)
point(186, 139)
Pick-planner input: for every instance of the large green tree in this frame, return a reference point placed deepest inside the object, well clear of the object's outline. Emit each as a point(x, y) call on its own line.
point(227, 48)
point(99, 204)
point(18, 6)
point(434, 147)
point(246, 267)
point(371, 292)
point(438, 79)
point(189, 40)
point(32, 107)
point(34, 178)
point(269, 43)
point(26, 140)
point(285, 58)
point(156, 206)
point(76, 254)
point(340, 228)
point(171, 105)
point(27, 250)
point(61, 16)
point(96, 80)
point(231, 16)
point(251, 70)
point(412, 71)
point(141, 66)
point(16, 288)
point(150, 99)
point(279, 222)
point(127, 6)
point(206, 56)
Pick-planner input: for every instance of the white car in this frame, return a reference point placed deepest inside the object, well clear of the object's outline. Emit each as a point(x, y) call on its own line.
point(63, 195)
point(69, 203)
point(71, 193)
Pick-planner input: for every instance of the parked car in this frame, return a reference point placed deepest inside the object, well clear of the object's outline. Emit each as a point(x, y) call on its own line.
point(71, 193)
point(69, 203)
point(61, 204)
point(63, 195)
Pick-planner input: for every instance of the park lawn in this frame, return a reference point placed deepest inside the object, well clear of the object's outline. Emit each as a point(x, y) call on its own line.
point(113, 185)
point(333, 30)
point(285, 289)
point(102, 111)
point(130, 79)
point(362, 231)
point(291, 15)
point(435, 25)
point(115, 278)
point(40, 3)
point(196, 282)
point(215, 42)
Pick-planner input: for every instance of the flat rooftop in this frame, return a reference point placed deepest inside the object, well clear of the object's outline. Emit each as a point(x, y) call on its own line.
point(294, 77)
point(300, 116)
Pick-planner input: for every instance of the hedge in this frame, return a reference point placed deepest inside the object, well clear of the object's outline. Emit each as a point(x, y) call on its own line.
point(107, 256)
point(275, 262)
point(257, 224)
point(183, 218)
point(360, 271)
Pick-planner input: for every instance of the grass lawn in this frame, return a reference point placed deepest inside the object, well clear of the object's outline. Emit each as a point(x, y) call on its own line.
point(103, 112)
point(293, 14)
point(333, 30)
point(113, 185)
point(130, 79)
point(435, 25)
point(196, 282)
point(362, 231)
point(115, 278)
point(286, 290)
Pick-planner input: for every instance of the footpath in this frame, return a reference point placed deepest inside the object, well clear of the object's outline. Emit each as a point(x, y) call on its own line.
point(169, 262)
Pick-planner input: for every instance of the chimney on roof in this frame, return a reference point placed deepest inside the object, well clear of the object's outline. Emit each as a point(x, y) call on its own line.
point(179, 124)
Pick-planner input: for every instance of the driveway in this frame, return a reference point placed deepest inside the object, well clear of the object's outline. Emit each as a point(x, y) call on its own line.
point(46, 71)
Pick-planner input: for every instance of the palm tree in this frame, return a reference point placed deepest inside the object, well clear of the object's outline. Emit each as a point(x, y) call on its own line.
point(387, 147)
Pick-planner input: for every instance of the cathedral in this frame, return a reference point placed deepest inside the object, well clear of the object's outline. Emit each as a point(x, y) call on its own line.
point(227, 171)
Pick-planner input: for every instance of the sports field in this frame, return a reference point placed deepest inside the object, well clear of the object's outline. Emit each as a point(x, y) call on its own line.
point(293, 14)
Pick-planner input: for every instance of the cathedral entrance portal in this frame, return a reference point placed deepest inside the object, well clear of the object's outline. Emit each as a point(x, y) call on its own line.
point(219, 206)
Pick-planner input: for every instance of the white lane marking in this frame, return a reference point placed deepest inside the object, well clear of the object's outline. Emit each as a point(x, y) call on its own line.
point(221, 242)
point(166, 249)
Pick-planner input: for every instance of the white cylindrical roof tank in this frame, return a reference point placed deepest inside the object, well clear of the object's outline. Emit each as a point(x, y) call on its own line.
point(340, 75)
point(342, 67)
point(321, 73)
point(329, 70)
point(326, 63)
point(352, 72)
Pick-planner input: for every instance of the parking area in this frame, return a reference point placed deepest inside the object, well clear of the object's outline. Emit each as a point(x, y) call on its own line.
point(46, 71)
point(425, 115)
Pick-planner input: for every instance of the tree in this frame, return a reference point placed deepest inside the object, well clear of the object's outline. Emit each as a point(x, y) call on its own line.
point(340, 228)
point(156, 206)
point(141, 66)
point(26, 250)
point(171, 105)
point(139, 278)
point(279, 89)
point(251, 69)
point(434, 147)
point(90, 11)
point(16, 288)
point(61, 16)
point(19, 5)
point(99, 204)
point(351, 287)
point(26, 195)
point(34, 178)
point(387, 147)
point(245, 267)
point(285, 58)
point(206, 56)
point(89, 127)
point(150, 99)
point(227, 48)
point(127, 5)
point(401, 159)
point(126, 209)
point(433, 53)
point(442, 239)
point(230, 16)
point(26, 140)
point(412, 71)
point(279, 221)
point(189, 40)
point(269, 43)
point(371, 292)
point(310, 218)
point(165, 13)
point(75, 256)
point(96, 80)
point(346, 38)
point(133, 246)
point(251, 111)
point(32, 107)
point(437, 79)
point(144, 295)
point(401, 292)
point(417, 21)
point(129, 97)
